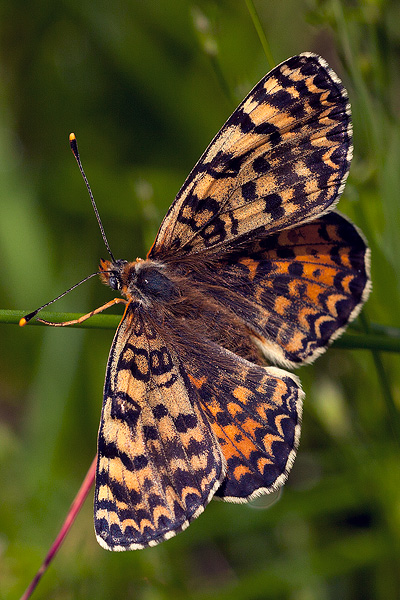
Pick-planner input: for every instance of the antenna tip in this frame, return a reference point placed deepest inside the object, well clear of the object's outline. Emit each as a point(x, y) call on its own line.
point(27, 318)
point(74, 146)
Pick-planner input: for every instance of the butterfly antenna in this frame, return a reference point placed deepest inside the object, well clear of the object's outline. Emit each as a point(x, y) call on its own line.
point(74, 148)
point(27, 318)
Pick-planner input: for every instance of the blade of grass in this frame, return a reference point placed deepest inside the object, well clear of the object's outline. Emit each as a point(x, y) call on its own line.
point(393, 413)
point(260, 32)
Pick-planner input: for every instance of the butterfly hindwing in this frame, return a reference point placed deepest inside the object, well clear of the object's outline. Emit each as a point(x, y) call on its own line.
point(159, 462)
point(280, 159)
point(297, 289)
point(318, 280)
point(255, 413)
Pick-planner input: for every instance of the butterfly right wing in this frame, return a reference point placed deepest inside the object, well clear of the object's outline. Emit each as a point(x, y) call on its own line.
point(281, 159)
point(159, 463)
point(296, 290)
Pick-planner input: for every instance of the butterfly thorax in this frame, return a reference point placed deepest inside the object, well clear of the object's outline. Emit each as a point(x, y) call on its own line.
point(166, 294)
point(145, 281)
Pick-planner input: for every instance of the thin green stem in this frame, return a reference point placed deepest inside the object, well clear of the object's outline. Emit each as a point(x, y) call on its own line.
point(376, 343)
point(393, 413)
point(261, 34)
point(385, 339)
point(96, 322)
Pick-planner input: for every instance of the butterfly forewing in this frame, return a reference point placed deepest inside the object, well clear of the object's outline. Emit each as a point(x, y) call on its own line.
point(159, 462)
point(280, 159)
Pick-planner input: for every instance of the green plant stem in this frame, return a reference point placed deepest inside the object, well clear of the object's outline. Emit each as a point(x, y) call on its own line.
point(261, 34)
point(363, 341)
point(97, 322)
point(356, 341)
point(393, 413)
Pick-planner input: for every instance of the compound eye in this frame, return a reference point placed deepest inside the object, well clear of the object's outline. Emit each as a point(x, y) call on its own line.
point(113, 282)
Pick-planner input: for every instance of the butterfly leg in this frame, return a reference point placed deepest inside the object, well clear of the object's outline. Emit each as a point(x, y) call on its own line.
point(88, 315)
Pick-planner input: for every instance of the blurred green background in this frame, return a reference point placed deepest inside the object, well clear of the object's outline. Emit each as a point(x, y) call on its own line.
point(145, 86)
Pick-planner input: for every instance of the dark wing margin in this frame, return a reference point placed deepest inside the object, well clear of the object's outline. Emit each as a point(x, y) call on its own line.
point(281, 159)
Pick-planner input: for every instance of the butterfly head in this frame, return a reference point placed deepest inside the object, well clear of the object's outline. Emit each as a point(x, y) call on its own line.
point(142, 280)
point(111, 273)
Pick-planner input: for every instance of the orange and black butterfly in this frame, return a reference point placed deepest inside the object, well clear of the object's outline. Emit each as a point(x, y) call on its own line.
point(250, 264)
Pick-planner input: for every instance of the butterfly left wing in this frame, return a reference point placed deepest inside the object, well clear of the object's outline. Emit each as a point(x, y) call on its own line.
point(282, 158)
point(176, 430)
point(159, 463)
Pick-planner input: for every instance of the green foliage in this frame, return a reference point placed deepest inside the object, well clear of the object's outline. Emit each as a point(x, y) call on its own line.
point(145, 86)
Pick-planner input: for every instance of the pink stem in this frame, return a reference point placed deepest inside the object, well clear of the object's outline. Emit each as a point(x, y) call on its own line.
point(72, 513)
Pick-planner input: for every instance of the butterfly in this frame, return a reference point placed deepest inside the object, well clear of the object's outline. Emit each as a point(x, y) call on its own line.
point(251, 265)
